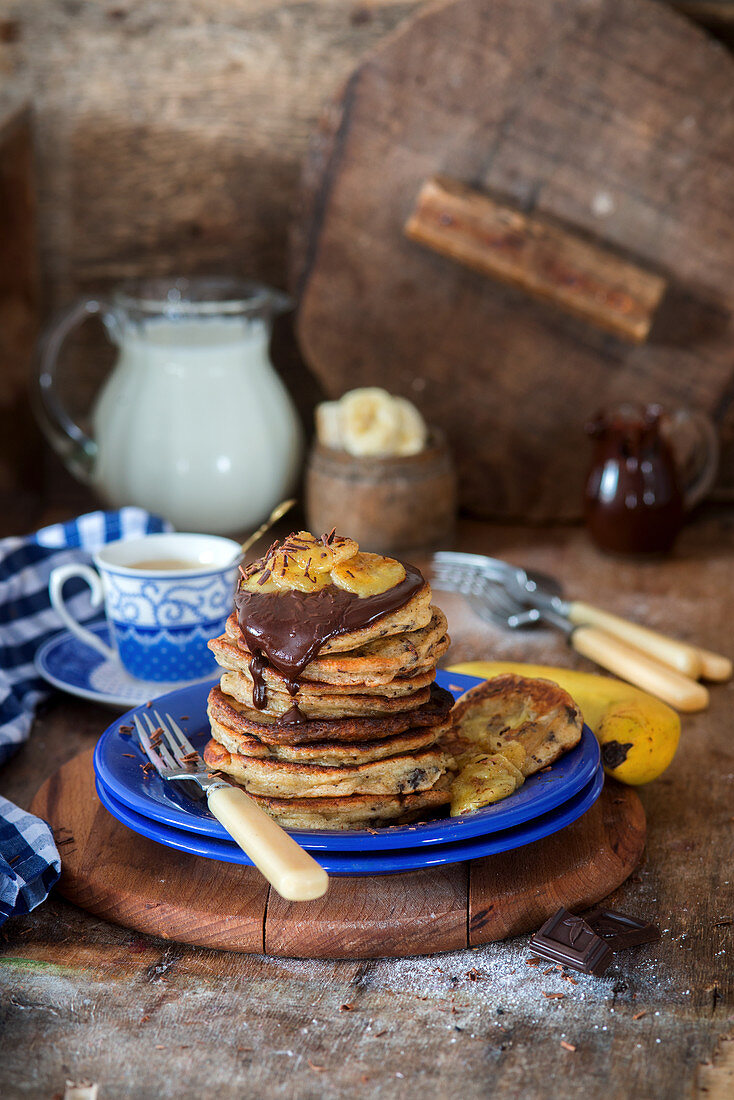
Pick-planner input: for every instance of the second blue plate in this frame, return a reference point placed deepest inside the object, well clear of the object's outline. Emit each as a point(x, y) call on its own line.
point(374, 862)
point(118, 764)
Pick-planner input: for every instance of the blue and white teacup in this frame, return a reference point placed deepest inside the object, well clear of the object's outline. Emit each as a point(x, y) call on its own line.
point(164, 595)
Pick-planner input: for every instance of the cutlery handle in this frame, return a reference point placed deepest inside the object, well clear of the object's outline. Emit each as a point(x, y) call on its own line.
point(288, 868)
point(714, 666)
point(636, 667)
point(684, 658)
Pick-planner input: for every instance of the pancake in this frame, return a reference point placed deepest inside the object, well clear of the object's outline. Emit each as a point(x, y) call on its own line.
point(404, 774)
point(232, 658)
point(536, 713)
point(332, 753)
point(327, 706)
point(375, 662)
point(244, 720)
point(355, 811)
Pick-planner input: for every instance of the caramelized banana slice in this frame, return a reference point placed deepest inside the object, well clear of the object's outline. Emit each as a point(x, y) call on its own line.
point(302, 552)
point(259, 581)
point(368, 574)
point(485, 779)
point(294, 577)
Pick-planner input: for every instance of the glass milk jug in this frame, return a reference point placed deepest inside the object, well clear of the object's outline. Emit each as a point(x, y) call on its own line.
point(193, 423)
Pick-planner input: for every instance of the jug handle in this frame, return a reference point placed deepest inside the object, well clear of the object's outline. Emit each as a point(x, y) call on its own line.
point(703, 462)
point(68, 439)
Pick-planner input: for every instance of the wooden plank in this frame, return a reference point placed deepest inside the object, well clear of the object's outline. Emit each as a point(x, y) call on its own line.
point(542, 259)
point(20, 443)
point(480, 91)
point(117, 874)
point(419, 913)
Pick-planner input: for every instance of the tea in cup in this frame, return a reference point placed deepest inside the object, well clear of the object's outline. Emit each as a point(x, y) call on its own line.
point(164, 596)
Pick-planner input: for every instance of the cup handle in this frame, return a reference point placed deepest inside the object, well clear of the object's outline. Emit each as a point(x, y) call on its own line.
point(701, 464)
point(57, 580)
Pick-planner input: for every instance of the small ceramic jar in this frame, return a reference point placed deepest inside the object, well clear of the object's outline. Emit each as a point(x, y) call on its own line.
point(390, 504)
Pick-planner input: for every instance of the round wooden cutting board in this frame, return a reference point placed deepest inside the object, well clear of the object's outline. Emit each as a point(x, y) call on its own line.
point(123, 877)
point(596, 128)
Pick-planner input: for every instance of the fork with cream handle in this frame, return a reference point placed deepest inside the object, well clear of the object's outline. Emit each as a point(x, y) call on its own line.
point(507, 594)
point(288, 868)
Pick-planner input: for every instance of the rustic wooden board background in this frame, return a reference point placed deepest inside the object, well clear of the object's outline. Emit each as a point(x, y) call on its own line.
point(565, 111)
point(170, 137)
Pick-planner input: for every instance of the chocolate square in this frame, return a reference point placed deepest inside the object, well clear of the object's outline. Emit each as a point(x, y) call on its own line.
point(619, 930)
point(570, 940)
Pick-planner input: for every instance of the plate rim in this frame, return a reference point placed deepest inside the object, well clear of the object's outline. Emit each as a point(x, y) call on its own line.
point(364, 863)
point(399, 837)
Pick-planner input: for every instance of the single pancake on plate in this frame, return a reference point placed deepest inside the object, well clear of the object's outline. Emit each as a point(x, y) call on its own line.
point(271, 729)
point(537, 714)
point(405, 773)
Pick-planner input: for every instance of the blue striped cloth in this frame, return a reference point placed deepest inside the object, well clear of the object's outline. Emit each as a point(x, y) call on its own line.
point(29, 860)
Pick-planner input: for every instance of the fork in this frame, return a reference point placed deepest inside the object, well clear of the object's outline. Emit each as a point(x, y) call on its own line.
point(288, 868)
point(484, 587)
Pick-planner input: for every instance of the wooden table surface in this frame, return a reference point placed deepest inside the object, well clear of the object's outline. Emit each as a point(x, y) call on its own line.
point(82, 999)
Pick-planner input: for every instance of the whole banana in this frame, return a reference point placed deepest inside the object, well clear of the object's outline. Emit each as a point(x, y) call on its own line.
point(638, 734)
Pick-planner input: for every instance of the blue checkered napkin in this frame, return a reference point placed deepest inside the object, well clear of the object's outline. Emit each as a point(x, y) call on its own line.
point(29, 861)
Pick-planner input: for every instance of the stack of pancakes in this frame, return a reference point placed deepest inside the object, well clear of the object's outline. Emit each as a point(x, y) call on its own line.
point(353, 741)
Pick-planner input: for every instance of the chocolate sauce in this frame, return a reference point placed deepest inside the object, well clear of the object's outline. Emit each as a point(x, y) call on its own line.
point(294, 716)
point(288, 629)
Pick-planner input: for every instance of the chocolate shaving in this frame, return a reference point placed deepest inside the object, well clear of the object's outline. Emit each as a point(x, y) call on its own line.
point(330, 536)
point(266, 576)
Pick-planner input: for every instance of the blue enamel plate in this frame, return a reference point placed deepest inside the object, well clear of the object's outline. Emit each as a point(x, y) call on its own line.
point(118, 762)
point(370, 862)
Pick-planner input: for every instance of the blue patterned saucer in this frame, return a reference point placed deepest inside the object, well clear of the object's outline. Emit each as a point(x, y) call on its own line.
point(70, 665)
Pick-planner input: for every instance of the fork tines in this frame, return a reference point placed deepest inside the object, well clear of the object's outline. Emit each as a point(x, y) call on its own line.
point(172, 749)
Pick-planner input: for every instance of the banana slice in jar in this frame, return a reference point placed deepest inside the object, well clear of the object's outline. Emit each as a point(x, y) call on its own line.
point(413, 432)
point(368, 574)
point(370, 422)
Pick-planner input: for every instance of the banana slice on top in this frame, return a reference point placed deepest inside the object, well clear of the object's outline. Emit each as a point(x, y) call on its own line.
point(368, 574)
point(302, 553)
point(261, 580)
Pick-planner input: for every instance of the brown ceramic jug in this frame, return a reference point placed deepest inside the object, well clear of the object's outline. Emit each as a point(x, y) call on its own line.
point(649, 467)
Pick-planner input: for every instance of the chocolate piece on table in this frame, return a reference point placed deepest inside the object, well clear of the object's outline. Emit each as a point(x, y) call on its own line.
point(619, 930)
point(569, 940)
